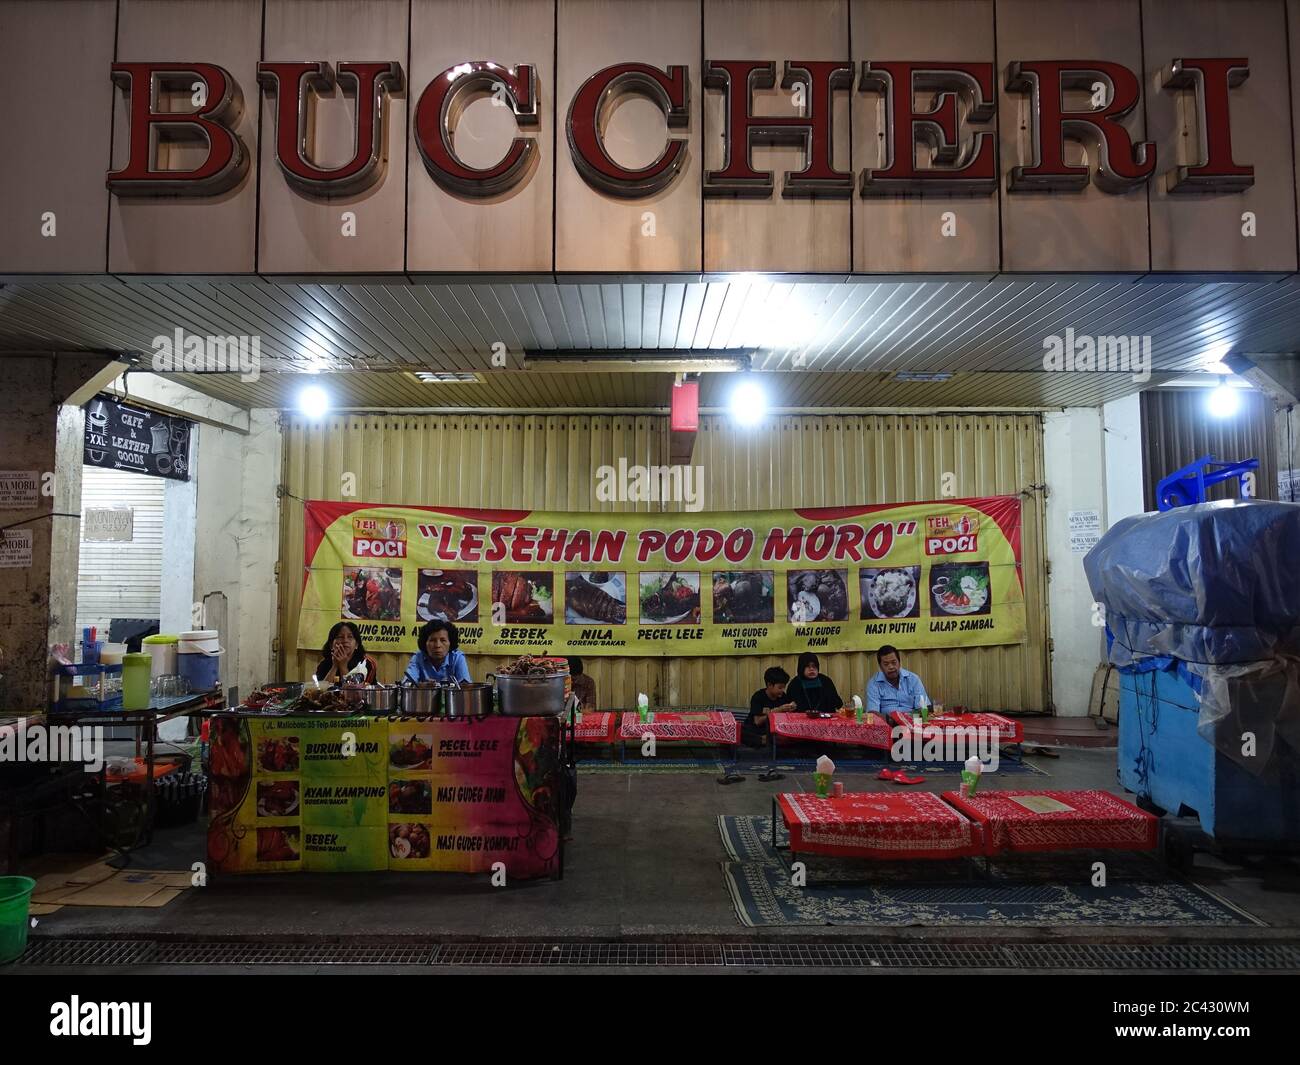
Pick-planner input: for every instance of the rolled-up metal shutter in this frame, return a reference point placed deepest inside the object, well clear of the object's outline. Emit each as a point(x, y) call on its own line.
point(121, 580)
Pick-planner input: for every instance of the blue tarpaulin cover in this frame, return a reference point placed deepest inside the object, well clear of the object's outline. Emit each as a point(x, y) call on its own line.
point(1212, 590)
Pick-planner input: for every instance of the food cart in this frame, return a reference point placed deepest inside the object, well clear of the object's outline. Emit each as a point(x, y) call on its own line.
point(341, 789)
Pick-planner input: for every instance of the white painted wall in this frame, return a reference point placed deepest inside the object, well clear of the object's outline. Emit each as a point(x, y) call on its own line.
point(175, 613)
point(1122, 425)
point(1075, 458)
point(238, 536)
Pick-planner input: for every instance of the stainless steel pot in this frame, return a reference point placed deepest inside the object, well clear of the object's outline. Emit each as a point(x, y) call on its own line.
point(530, 695)
point(470, 700)
point(381, 698)
point(421, 700)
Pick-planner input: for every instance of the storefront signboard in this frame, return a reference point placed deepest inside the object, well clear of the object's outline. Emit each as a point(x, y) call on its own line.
point(945, 573)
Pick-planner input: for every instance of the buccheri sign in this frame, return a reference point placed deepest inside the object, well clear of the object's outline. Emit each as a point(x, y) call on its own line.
point(955, 128)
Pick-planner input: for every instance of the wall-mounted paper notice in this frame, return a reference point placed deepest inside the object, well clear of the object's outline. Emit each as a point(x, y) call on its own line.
point(1288, 486)
point(19, 489)
point(16, 549)
point(1085, 530)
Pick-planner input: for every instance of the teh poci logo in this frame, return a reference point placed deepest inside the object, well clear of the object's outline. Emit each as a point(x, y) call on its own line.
point(372, 538)
point(949, 535)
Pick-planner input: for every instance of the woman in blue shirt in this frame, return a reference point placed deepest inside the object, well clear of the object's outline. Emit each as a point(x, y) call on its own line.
point(438, 657)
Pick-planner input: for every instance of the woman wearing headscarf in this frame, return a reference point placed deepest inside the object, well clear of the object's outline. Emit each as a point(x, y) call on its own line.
point(811, 691)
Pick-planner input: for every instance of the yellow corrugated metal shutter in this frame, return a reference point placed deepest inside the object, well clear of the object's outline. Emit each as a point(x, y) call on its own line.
point(549, 462)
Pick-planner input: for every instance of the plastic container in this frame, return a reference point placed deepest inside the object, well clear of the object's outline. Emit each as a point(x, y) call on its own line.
point(203, 671)
point(198, 659)
point(135, 682)
point(162, 649)
point(111, 654)
point(15, 899)
point(1164, 760)
point(200, 641)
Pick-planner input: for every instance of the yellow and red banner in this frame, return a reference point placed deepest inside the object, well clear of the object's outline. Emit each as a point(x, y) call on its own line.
point(361, 794)
point(945, 573)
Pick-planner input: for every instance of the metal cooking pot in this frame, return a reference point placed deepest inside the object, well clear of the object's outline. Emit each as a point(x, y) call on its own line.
point(421, 700)
point(380, 698)
point(470, 700)
point(530, 695)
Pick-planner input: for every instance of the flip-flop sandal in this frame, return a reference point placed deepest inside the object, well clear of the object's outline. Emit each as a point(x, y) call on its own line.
point(731, 778)
point(888, 774)
point(902, 778)
point(771, 774)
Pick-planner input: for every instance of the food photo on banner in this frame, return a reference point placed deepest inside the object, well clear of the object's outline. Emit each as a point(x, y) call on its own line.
point(944, 573)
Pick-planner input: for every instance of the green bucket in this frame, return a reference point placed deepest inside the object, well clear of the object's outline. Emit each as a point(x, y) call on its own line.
point(15, 895)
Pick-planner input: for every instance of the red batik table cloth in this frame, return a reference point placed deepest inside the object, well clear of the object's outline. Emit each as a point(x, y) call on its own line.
point(890, 825)
point(1007, 730)
point(873, 732)
point(596, 728)
point(702, 726)
point(1093, 820)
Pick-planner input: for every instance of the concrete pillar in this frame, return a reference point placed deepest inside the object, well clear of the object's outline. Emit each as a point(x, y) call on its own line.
point(1074, 462)
point(1122, 426)
point(176, 605)
point(42, 433)
point(237, 531)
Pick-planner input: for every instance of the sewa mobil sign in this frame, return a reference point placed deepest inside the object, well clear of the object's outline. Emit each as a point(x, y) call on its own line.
point(1077, 99)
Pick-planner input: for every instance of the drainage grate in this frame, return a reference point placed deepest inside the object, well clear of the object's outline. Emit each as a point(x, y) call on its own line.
point(1217, 957)
point(229, 953)
point(106, 952)
point(1184, 957)
point(620, 955)
point(114, 953)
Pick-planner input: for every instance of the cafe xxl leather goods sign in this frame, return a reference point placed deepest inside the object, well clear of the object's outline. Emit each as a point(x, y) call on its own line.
point(945, 573)
point(122, 437)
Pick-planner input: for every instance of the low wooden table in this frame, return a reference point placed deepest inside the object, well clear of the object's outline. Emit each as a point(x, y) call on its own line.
point(599, 727)
point(714, 727)
point(881, 825)
point(1024, 821)
point(874, 732)
point(983, 729)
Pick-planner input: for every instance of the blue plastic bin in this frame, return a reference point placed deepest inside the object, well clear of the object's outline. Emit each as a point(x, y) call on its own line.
point(1163, 759)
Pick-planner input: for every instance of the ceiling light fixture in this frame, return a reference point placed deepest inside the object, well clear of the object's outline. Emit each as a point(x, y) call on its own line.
point(748, 402)
point(313, 401)
point(445, 377)
point(1224, 401)
point(608, 361)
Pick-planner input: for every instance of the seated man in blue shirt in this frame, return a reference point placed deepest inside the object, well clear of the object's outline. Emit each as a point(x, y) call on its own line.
point(894, 688)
